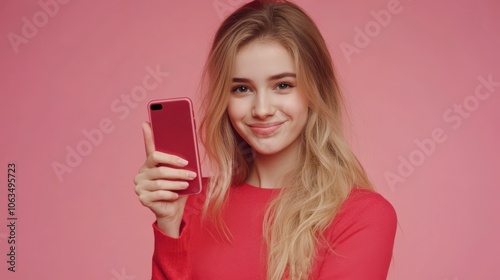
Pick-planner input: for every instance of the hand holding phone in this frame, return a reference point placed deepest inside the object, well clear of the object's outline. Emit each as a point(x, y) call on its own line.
point(164, 189)
point(174, 132)
point(155, 186)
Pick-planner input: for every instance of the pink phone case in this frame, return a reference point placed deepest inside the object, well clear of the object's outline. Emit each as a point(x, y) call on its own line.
point(174, 132)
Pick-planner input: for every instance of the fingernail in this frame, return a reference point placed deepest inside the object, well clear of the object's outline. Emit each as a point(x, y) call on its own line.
point(184, 185)
point(182, 161)
point(191, 175)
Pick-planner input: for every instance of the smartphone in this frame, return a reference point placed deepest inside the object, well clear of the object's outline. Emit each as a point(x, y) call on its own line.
point(174, 132)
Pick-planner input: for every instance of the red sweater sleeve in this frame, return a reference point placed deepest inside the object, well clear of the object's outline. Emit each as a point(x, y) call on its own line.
point(362, 238)
point(170, 259)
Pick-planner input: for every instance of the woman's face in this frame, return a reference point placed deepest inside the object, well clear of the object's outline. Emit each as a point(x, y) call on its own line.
point(266, 107)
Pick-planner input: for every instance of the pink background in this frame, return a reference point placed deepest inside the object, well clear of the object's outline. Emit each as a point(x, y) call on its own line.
point(70, 74)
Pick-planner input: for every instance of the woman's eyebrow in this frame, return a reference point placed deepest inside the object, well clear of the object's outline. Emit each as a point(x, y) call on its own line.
point(274, 77)
point(282, 75)
point(241, 80)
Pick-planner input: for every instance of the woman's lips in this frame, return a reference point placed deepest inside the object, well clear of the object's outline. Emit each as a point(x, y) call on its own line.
point(265, 129)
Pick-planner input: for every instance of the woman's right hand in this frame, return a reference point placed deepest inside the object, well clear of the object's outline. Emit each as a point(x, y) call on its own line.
point(155, 185)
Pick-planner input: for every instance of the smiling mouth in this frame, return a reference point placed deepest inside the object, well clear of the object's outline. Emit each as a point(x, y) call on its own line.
point(265, 129)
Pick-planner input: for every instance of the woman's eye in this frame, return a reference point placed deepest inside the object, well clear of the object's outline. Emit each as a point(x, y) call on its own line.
point(240, 89)
point(283, 86)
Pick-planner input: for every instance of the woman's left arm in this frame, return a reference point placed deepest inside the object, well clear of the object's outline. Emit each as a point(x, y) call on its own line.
point(362, 238)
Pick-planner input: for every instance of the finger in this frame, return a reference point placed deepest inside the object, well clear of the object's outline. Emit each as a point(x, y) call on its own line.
point(163, 172)
point(156, 158)
point(149, 144)
point(161, 195)
point(166, 185)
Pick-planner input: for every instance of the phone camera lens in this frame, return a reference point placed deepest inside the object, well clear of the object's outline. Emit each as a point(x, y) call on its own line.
point(156, 107)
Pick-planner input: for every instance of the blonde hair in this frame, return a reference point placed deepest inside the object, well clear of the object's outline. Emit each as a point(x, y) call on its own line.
point(327, 170)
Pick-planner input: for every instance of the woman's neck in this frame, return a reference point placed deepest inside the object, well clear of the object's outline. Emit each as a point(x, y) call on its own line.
point(268, 170)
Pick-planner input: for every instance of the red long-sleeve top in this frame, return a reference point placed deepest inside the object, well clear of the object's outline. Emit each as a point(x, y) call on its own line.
point(361, 236)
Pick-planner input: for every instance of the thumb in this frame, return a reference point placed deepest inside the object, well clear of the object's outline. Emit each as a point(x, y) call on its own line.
point(149, 144)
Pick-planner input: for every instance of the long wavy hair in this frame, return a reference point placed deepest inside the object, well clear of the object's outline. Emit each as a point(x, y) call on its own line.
point(327, 169)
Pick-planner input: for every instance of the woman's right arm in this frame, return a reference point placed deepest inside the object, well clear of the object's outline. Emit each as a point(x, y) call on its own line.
point(155, 186)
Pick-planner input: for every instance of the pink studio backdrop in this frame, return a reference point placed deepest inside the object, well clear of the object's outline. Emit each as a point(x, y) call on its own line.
point(422, 80)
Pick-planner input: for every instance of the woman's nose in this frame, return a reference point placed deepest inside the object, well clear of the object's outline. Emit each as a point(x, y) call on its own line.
point(263, 106)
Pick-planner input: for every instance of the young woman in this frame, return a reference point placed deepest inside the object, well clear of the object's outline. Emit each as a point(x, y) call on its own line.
point(287, 198)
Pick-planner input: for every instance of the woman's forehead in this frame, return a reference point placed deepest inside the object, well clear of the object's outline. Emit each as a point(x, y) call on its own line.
point(262, 59)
